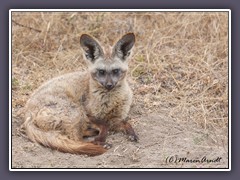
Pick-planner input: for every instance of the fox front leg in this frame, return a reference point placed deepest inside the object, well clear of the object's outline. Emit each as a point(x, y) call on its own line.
point(127, 129)
point(100, 139)
point(103, 128)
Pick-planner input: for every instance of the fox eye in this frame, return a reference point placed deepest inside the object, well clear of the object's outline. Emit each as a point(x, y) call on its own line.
point(115, 71)
point(101, 72)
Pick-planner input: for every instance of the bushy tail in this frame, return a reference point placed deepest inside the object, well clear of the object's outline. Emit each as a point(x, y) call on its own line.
point(59, 142)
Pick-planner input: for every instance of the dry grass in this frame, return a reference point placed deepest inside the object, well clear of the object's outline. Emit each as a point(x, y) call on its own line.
point(180, 61)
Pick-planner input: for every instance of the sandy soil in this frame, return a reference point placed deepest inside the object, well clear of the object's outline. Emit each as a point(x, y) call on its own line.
point(161, 139)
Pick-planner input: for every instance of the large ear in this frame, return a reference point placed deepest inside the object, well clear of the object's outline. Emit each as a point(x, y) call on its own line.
point(91, 47)
point(123, 47)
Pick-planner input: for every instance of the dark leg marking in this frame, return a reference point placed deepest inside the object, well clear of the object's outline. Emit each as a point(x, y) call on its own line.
point(103, 128)
point(127, 129)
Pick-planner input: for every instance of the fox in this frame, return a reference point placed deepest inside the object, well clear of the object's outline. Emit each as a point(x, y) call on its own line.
point(74, 112)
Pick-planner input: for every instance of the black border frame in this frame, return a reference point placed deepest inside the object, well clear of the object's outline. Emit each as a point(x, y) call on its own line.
point(234, 5)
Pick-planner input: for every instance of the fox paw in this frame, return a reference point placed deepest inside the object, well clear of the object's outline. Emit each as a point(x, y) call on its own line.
point(103, 144)
point(133, 138)
point(107, 146)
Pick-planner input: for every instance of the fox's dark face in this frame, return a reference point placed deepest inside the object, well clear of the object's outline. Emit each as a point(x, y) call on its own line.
point(108, 69)
point(109, 75)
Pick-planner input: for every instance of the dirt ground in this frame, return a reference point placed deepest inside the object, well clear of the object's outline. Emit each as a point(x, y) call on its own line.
point(160, 138)
point(178, 74)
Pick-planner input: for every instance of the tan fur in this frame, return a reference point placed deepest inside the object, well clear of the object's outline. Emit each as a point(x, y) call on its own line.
point(57, 115)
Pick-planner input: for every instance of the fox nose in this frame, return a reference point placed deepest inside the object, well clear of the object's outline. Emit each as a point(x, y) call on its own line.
point(109, 86)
